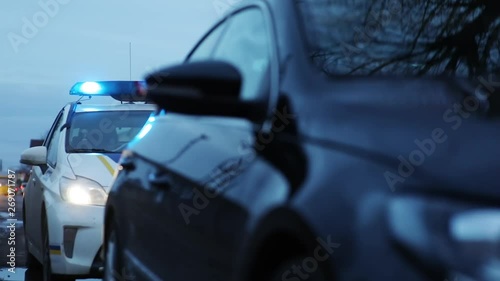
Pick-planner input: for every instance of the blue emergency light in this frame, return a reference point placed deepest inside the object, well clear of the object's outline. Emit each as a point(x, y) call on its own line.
point(124, 91)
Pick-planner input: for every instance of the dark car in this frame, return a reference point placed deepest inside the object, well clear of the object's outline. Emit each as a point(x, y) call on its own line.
point(319, 140)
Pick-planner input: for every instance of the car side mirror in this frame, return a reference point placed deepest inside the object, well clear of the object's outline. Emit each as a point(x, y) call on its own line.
point(202, 88)
point(35, 156)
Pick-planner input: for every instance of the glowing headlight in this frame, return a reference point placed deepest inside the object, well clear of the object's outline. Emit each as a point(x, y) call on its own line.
point(82, 191)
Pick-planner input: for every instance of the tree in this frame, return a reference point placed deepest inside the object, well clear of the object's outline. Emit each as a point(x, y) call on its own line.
point(417, 37)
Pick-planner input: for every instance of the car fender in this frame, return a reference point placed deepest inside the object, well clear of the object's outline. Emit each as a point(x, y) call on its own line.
point(292, 234)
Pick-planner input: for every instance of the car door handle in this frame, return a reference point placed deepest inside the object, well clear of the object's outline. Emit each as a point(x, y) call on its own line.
point(162, 180)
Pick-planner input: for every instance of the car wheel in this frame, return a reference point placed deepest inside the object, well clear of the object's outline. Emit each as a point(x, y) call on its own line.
point(31, 261)
point(285, 271)
point(47, 268)
point(113, 265)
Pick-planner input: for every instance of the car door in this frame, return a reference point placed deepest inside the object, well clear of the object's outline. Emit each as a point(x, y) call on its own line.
point(154, 204)
point(40, 179)
point(180, 209)
point(199, 228)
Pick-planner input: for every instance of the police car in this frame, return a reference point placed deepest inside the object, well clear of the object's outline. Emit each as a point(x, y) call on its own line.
point(72, 173)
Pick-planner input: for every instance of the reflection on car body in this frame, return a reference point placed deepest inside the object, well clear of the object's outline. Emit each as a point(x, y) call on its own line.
point(225, 173)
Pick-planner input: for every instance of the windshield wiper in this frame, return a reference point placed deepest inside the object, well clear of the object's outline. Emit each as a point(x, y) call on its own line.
point(92, 150)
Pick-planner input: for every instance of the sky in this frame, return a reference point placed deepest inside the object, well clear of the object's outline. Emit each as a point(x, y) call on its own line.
point(48, 45)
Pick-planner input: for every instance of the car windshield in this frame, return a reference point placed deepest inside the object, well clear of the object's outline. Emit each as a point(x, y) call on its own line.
point(104, 131)
point(403, 37)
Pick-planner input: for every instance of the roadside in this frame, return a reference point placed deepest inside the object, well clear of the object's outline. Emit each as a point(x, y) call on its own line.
point(12, 248)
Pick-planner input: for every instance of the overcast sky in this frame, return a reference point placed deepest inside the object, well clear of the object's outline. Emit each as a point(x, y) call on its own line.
point(44, 49)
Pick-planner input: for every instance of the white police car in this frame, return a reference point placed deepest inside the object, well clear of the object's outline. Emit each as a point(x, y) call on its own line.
point(71, 177)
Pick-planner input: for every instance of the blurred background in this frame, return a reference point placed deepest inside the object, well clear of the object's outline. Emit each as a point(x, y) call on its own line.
point(48, 45)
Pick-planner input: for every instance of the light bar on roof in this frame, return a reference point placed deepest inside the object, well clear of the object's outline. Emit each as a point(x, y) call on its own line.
point(119, 90)
point(91, 88)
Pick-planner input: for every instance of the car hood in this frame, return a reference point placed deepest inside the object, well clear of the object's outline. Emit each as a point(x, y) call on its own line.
point(95, 166)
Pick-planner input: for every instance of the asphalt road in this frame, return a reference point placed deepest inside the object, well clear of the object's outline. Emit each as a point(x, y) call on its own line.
point(12, 263)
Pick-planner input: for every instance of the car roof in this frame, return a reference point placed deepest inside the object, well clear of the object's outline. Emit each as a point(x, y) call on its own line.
point(114, 107)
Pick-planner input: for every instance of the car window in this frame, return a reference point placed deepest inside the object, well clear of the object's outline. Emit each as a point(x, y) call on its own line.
point(246, 45)
point(53, 141)
point(205, 49)
point(365, 37)
point(104, 130)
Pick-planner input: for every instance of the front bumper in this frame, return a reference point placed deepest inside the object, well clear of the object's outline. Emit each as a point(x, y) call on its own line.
point(75, 234)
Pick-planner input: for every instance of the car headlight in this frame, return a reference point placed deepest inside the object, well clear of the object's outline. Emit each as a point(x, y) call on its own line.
point(82, 191)
point(464, 238)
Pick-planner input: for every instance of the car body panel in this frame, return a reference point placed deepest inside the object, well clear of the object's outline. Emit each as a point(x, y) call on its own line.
point(88, 221)
point(91, 166)
point(192, 194)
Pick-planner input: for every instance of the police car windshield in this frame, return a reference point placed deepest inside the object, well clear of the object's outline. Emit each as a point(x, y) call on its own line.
point(104, 131)
point(401, 37)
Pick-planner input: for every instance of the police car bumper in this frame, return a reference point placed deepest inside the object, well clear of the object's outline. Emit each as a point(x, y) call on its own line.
point(75, 234)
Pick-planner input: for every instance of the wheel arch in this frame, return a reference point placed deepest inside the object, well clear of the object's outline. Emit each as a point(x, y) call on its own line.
point(279, 236)
point(24, 213)
point(108, 217)
point(44, 219)
point(44, 210)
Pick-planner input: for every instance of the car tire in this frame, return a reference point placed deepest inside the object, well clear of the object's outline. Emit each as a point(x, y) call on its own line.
point(287, 265)
point(113, 264)
point(31, 261)
point(46, 265)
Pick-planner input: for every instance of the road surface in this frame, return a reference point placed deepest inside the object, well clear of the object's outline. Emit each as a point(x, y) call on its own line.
point(12, 263)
